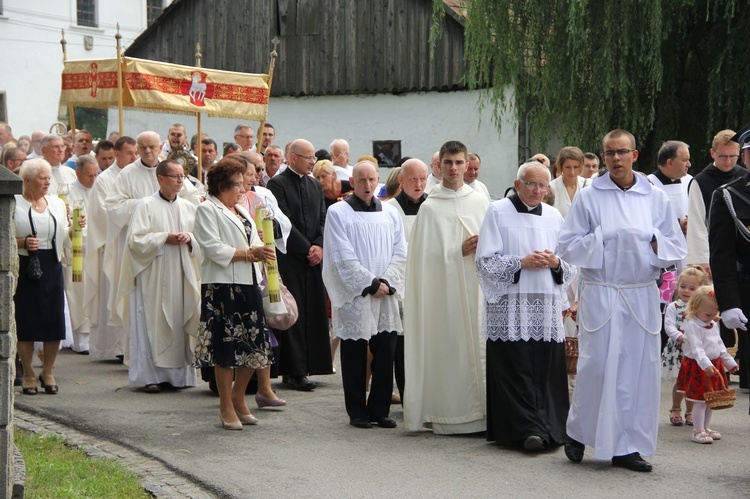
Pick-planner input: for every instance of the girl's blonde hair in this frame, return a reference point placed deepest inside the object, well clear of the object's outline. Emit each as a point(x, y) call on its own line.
point(703, 296)
point(692, 272)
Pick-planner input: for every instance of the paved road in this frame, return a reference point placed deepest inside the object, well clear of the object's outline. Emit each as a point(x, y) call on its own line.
point(309, 450)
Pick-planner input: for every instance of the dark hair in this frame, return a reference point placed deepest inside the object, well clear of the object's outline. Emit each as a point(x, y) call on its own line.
point(124, 140)
point(230, 146)
point(221, 177)
point(668, 150)
point(103, 145)
point(208, 141)
point(163, 167)
point(591, 155)
point(452, 147)
point(268, 125)
point(323, 154)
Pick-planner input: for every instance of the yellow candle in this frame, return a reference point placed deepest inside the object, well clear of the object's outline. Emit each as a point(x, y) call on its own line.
point(77, 246)
point(272, 269)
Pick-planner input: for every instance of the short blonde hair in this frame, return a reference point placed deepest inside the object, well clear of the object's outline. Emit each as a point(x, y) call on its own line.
point(616, 134)
point(691, 272)
point(367, 157)
point(700, 298)
point(324, 165)
point(723, 138)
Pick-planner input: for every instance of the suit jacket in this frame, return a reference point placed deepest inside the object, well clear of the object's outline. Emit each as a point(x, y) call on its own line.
point(301, 199)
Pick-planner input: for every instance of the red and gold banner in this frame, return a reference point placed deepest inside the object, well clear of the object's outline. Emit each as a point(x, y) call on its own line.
point(166, 87)
point(89, 83)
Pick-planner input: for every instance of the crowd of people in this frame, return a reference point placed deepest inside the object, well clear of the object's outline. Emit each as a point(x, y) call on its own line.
point(466, 302)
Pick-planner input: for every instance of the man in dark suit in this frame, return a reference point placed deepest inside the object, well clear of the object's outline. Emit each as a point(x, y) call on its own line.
point(305, 347)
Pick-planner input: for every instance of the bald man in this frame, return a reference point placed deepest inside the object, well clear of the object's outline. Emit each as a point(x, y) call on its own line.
point(436, 175)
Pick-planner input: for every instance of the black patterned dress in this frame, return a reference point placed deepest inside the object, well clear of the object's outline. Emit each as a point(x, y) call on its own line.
point(232, 330)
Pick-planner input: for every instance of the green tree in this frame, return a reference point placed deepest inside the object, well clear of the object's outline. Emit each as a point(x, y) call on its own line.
point(663, 69)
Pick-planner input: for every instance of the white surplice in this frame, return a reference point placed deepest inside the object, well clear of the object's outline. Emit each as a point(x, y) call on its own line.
point(444, 348)
point(608, 234)
point(60, 174)
point(75, 291)
point(359, 247)
point(562, 199)
point(164, 280)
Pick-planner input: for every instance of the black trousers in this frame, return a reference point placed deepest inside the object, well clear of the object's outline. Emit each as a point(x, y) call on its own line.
point(354, 376)
point(399, 367)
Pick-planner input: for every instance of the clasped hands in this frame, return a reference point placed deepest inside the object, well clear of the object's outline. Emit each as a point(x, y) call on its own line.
point(540, 260)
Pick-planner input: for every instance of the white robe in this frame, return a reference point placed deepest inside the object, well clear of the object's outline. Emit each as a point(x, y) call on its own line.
point(408, 220)
point(269, 200)
point(164, 280)
point(607, 234)
point(530, 309)
point(562, 199)
point(479, 186)
point(61, 175)
point(107, 340)
point(75, 291)
point(359, 247)
point(444, 350)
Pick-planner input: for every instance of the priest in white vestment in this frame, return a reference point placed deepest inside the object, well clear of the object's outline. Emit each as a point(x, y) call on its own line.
point(471, 177)
point(524, 285)
point(107, 340)
point(364, 255)
point(413, 178)
point(620, 232)
point(136, 182)
point(86, 172)
point(53, 150)
point(444, 350)
point(160, 274)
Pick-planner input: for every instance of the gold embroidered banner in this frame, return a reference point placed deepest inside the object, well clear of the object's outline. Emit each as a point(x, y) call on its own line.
point(166, 87)
point(184, 89)
point(89, 83)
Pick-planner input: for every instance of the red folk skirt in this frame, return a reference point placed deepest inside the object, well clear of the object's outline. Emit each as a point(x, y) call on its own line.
point(694, 382)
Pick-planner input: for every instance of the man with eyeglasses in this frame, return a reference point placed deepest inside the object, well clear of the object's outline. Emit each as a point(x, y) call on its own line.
point(13, 158)
point(305, 347)
point(435, 177)
point(161, 281)
point(243, 136)
point(135, 182)
point(724, 168)
point(36, 144)
point(340, 158)
point(619, 233)
point(53, 151)
point(443, 350)
point(523, 283)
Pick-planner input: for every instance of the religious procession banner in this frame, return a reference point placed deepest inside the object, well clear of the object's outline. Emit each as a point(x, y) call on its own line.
point(164, 87)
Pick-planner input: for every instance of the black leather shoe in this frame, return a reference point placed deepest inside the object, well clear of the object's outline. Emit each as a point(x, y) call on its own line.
point(632, 462)
point(385, 422)
point(534, 443)
point(360, 423)
point(574, 450)
point(299, 383)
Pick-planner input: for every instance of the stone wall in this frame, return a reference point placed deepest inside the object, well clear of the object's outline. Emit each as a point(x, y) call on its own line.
point(9, 185)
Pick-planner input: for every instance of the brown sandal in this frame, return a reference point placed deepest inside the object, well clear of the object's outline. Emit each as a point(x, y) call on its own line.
point(675, 420)
point(689, 418)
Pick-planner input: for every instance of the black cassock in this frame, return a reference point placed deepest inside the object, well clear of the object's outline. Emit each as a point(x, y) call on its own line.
point(305, 347)
point(730, 258)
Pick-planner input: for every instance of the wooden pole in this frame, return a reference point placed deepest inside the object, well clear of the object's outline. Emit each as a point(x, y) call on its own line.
point(120, 118)
point(71, 111)
point(271, 66)
point(200, 138)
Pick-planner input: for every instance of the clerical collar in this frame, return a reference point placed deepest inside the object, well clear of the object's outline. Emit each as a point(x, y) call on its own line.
point(359, 205)
point(522, 207)
point(167, 200)
point(300, 175)
point(409, 206)
point(664, 179)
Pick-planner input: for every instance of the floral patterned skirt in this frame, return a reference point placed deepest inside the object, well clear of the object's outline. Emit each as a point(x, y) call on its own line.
point(693, 380)
point(671, 359)
point(232, 332)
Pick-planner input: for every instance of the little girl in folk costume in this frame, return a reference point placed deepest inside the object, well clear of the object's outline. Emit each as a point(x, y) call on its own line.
point(705, 360)
point(671, 358)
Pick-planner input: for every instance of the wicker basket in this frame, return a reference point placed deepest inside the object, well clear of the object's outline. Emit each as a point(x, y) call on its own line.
point(733, 349)
point(720, 399)
point(571, 355)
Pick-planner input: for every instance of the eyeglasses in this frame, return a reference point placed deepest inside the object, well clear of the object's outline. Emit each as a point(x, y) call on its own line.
point(245, 136)
point(619, 152)
point(308, 158)
point(725, 157)
point(535, 185)
point(176, 176)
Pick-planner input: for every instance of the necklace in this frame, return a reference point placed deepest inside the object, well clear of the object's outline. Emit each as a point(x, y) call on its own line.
point(34, 203)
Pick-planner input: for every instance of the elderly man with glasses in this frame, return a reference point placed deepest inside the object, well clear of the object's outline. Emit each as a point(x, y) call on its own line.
point(305, 347)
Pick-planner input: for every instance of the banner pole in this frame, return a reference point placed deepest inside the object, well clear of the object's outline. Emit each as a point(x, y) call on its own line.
point(271, 66)
point(71, 111)
point(120, 119)
point(200, 136)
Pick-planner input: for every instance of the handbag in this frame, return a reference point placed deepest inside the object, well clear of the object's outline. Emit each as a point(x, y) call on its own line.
point(34, 270)
point(280, 315)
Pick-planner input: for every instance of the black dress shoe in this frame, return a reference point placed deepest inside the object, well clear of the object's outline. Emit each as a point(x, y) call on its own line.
point(574, 450)
point(385, 422)
point(299, 383)
point(534, 443)
point(632, 462)
point(360, 423)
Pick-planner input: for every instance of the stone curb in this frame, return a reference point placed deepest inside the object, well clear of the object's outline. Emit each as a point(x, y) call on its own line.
point(157, 479)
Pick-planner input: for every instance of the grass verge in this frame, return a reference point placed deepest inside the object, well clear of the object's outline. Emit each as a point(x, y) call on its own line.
point(53, 469)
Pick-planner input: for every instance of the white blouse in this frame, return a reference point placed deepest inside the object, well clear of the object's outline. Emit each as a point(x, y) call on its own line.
point(44, 224)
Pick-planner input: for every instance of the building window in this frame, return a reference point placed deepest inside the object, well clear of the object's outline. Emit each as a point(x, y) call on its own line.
point(3, 109)
point(87, 13)
point(387, 152)
point(153, 9)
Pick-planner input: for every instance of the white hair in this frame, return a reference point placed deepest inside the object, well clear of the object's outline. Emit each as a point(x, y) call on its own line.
point(524, 168)
point(31, 167)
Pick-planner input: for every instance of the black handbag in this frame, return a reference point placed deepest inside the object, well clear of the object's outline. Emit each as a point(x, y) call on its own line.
point(34, 270)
